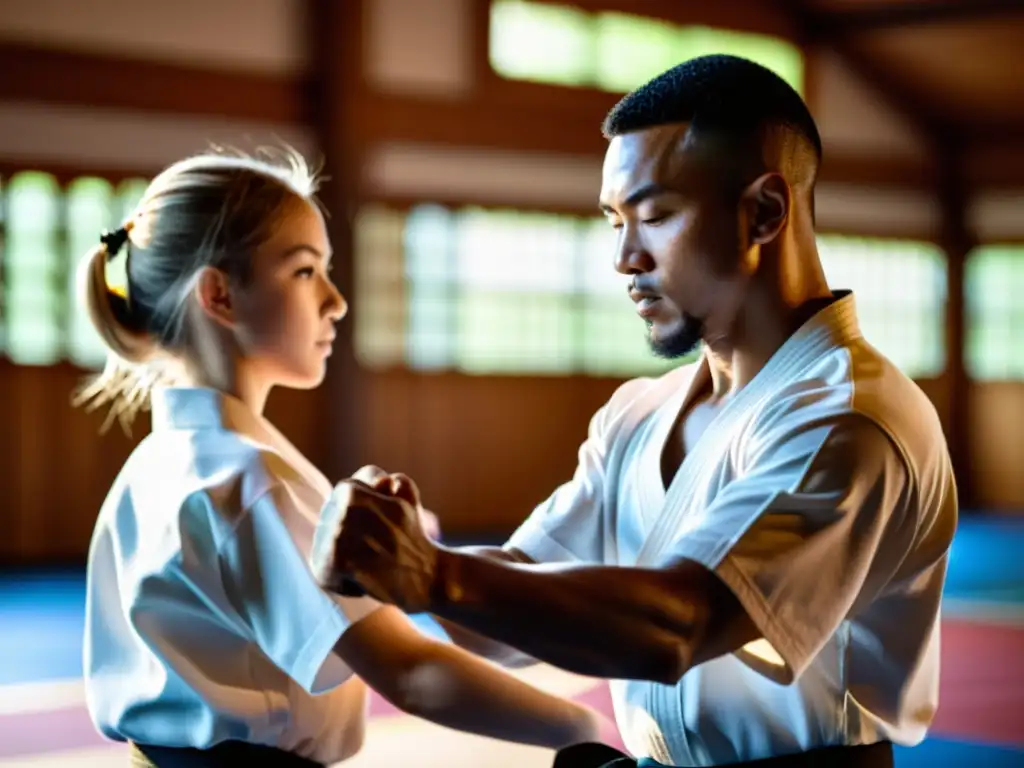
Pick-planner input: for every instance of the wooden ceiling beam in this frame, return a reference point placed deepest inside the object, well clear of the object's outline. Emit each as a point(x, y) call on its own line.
point(936, 131)
point(858, 19)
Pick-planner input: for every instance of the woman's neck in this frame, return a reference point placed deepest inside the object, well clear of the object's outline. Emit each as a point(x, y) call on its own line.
point(232, 380)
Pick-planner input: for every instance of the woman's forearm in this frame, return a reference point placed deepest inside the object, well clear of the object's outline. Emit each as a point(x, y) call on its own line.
point(459, 691)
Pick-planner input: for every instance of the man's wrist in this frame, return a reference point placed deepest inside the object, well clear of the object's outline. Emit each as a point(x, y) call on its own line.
point(445, 586)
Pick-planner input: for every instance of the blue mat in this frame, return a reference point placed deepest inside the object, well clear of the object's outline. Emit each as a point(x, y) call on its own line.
point(41, 615)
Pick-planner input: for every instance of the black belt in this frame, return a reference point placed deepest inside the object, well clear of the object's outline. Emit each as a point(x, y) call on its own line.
point(878, 755)
point(227, 754)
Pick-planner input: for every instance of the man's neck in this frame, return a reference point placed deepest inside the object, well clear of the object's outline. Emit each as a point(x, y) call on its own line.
point(760, 332)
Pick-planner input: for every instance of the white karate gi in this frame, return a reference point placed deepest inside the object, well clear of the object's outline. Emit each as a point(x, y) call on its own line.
point(822, 495)
point(203, 620)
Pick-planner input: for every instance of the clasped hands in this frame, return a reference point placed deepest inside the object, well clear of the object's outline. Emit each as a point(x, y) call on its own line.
point(375, 538)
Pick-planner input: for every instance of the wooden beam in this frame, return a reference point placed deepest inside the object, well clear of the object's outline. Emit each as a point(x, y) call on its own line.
point(484, 125)
point(852, 19)
point(93, 80)
point(994, 164)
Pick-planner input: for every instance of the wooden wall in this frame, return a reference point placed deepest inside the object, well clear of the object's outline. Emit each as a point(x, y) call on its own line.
point(428, 120)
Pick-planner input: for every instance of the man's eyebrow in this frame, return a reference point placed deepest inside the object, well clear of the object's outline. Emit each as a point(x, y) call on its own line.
point(637, 196)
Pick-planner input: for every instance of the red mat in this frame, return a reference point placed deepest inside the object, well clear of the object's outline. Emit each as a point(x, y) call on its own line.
point(981, 694)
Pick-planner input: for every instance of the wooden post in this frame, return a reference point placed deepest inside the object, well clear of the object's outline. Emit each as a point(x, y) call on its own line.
point(335, 35)
point(957, 241)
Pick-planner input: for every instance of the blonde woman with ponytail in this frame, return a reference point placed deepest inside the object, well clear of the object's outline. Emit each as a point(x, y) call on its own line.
point(207, 641)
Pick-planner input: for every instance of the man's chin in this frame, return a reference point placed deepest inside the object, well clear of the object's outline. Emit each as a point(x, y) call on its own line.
point(678, 343)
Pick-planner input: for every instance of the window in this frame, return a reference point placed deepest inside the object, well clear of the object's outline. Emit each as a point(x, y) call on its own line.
point(563, 45)
point(34, 297)
point(993, 283)
point(513, 292)
point(900, 290)
point(494, 292)
point(47, 231)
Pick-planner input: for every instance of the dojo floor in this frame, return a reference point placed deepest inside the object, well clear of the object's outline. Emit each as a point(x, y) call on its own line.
point(43, 722)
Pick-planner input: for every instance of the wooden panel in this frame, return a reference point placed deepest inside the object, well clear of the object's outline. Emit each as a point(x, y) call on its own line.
point(937, 390)
point(484, 450)
point(57, 468)
point(997, 445)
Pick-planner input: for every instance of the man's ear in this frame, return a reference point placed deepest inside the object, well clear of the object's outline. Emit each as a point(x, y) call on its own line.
point(766, 200)
point(214, 296)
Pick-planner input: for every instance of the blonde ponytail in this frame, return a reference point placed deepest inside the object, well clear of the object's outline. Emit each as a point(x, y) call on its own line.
point(132, 367)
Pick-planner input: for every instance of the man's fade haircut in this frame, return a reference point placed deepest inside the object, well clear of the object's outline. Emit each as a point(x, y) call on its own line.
point(728, 99)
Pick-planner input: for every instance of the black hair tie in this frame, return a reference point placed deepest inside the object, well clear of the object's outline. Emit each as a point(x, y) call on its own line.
point(114, 241)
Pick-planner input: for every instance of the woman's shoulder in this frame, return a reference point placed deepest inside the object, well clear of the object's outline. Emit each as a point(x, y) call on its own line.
point(228, 467)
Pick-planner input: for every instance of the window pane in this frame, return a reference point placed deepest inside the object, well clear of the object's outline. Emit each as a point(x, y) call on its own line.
point(614, 51)
point(429, 244)
point(900, 290)
point(34, 289)
point(129, 193)
point(615, 340)
point(380, 287)
point(542, 43)
point(430, 257)
point(598, 275)
point(90, 211)
point(994, 277)
point(631, 50)
point(509, 332)
point(509, 251)
point(502, 291)
point(431, 327)
point(517, 279)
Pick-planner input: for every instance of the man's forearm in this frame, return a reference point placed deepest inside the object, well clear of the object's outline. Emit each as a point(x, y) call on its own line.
point(474, 642)
point(492, 650)
point(606, 622)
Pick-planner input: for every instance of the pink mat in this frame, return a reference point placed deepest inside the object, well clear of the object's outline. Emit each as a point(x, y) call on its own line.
point(981, 693)
point(981, 698)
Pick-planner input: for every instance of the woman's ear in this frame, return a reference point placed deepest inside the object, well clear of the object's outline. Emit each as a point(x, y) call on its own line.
point(214, 296)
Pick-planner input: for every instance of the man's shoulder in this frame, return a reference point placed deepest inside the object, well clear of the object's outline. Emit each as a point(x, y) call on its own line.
point(857, 390)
